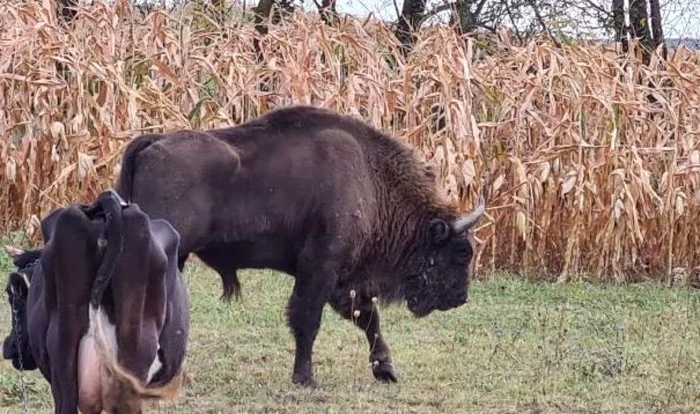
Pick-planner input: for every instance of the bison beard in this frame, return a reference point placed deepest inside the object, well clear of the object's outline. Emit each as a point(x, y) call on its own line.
point(323, 197)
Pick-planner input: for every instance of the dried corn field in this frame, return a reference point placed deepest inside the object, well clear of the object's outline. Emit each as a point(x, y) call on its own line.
point(584, 174)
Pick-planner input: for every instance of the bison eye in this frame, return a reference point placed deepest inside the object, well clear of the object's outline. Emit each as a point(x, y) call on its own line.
point(461, 254)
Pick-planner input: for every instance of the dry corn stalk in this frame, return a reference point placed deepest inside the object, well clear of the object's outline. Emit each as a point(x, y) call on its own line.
point(586, 175)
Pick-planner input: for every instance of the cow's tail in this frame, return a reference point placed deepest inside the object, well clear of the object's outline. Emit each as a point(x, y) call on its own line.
point(125, 183)
point(110, 204)
point(126, 386)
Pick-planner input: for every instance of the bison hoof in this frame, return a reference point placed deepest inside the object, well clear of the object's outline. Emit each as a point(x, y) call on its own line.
point(384, 371)
point(304, 381)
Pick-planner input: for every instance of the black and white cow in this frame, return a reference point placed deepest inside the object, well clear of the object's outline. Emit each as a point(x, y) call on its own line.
point(100, 309)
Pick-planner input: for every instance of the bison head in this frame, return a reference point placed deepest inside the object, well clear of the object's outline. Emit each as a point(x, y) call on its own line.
point(16, 344)
point(439, 273)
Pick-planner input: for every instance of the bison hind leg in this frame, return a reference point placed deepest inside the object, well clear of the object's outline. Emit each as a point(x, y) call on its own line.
point(231, 285)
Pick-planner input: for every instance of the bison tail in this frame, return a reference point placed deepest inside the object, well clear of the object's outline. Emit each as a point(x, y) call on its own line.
point(125, 389)
point(125, 182)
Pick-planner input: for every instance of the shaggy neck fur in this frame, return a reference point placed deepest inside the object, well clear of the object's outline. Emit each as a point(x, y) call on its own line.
point(407, 199)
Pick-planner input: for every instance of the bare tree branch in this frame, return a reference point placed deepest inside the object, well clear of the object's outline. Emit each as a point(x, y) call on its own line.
point(437, 10)
point(327, 11)
point(66, 10)
point(544, 26)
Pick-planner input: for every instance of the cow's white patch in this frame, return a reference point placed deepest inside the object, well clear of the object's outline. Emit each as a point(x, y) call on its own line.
point(25, 278)
point(92, 381)
point(155, 366)
point(109, 329)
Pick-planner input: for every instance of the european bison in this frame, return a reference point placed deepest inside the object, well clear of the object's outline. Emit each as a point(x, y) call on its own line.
point(337, 204)
point(100, 309)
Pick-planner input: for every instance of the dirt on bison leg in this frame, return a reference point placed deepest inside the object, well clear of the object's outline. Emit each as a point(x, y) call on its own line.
point(304, 381)
point(364, 313)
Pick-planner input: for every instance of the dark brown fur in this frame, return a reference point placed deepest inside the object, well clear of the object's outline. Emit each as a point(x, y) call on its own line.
point(323, 197)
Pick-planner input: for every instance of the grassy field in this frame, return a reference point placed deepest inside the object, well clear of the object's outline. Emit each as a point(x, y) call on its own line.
point(516, 347)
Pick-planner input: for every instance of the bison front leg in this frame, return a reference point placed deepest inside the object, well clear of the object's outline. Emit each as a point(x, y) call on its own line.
point(304, 311)
point(365, 315)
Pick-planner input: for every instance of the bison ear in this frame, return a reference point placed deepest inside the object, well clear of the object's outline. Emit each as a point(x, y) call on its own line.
point(19, 285)
point(439, 231)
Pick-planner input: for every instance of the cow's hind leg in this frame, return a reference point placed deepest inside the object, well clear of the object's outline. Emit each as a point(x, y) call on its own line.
point(367, 319)
point(63, 341)
point(68, 272)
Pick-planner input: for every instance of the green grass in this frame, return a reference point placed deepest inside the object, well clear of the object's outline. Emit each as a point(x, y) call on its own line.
point(517, 347)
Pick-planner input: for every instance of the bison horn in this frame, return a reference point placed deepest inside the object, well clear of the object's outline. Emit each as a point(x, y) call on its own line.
point(467, 221)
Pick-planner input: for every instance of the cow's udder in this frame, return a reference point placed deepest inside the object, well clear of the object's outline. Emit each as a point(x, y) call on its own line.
point(92, 381)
